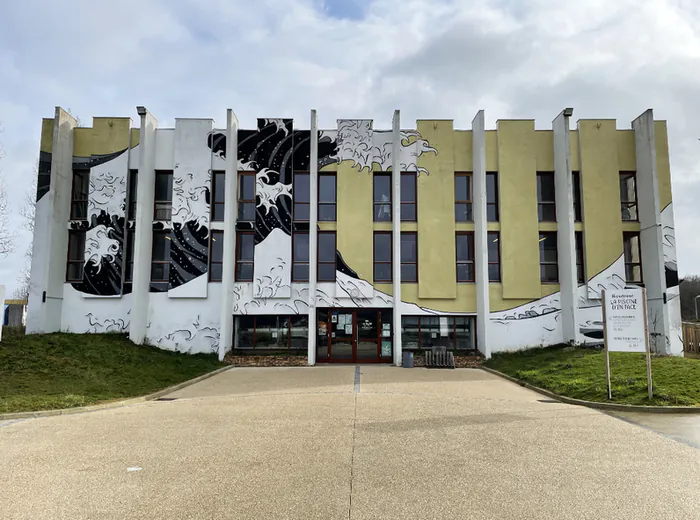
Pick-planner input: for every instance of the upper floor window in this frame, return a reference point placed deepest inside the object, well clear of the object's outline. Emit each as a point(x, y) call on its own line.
point(302, 198)
point(576, 182)
point(494, 253)
point(133, 191)
point(326, 196)
point(463, 197)
point(492, 196)
point(546, 206)
point(628, 195)
point(79, 196)
point(129, 265)
point(160, 258)
point(245, 255)
point(216, 256)
point(300, 256)
point(580, 271)
point(409, 257)
point(382, 197)
point(382, 256)
point(549, 268)
point(163, 203)
point(246, 197)
point(218, 195)
point(465, 256)
point(326, 256)
point(408, 196)
point(76, 256)
point(633, 258)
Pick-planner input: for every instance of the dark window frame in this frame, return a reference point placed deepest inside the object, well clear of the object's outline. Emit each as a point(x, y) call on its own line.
point(326, 262)
point(214, 189)
point(132, 194)
point(376, 203)
point(493, 203)
point(580, 257)
point(489, 234)
point(578, 203)
point(240, 234)
point(403, 262)
point(626, 204)
point(555, 263)
point(414, 202)
point(239, 195)
point(452, 334)
point(166, 261)
point(546, 203)
point(335, 198)
point(295, 202)
point(383, 262)
point(129, 255)
point(79, 202)
point(470, 193)
point(466, 262)
point(72, 234)
point(255, 327)
point(625, 236)
point(165, 204)
point(219, 233)
point(308, 257)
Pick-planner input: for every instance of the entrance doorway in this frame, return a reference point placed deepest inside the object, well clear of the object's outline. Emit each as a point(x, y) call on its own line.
point(354, 336)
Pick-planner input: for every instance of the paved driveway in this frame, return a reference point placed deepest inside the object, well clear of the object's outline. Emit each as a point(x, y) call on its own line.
point(330, 443)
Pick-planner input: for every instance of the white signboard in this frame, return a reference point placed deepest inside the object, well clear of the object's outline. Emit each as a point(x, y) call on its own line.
point(624, 321)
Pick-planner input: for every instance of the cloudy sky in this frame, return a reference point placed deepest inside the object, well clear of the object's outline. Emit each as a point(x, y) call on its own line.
point(353, 58)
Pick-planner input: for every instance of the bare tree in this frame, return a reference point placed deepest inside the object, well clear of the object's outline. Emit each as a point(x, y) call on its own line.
point(27, 211)
point(689, 289)
point(7, 235)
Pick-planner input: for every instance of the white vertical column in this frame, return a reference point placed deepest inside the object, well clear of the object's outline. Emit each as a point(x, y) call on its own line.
point(566, 237)
point(313, 234)
point(481, 247)
point(651, 236)
point(396, 232)
point(143, 238)
point(230, 214)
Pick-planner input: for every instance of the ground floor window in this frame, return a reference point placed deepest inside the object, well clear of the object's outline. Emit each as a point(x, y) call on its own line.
point(453, 332)
point(274, 332)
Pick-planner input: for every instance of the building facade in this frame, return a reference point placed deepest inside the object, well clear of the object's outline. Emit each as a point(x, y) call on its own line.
point(351, 243)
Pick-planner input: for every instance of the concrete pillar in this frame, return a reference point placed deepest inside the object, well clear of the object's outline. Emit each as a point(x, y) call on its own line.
point(396, 232)
point(651, 236)
point(566, 237)
point(481, 247)
point(143, 238)
point(313, 234)
point(228, 277)
point(48, 272)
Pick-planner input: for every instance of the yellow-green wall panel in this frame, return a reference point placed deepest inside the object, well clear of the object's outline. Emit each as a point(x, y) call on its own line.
point(663, 167)
point(626, 151)
point(107, 135)
point(549, 288)
point(436, 221)
point(409, 226)
point(46, 144)
point(600, 186)
point(333, 167)
point(498, 303)
point(573, 146)
point(544, 150)
point(463, 150)
point(491, 145)
point(464, 226)
point(327, 226)
point(355, 237)
point(520, 256)
point(547, 226)
point(464, 300)
point(135, 136)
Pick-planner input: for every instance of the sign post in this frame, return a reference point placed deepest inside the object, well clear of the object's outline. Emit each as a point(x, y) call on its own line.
point(625, 327)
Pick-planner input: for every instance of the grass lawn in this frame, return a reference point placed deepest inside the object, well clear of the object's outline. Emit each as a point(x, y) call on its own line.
point(48, 371)
point(580, 373)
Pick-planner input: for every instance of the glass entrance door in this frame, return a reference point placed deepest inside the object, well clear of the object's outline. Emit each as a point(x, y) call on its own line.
point(353, 335)
point(366, 335)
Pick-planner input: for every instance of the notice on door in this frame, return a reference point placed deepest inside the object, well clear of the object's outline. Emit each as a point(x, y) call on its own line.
point(624, 321)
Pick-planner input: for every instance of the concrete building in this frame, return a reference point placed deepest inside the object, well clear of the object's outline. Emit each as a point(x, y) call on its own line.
point(352, 243)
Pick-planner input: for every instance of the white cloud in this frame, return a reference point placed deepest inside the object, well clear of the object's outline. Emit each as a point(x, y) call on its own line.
point(279, 58)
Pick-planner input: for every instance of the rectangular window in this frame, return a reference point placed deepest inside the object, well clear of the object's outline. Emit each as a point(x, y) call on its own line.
point(79, 195)
point(218, 195)
point(271, 332)
point(463, 197)
point(216, 256)
point(424, 332)
point(382, 197)
point(302, 197)
point(409, 257)
point(628, 195)
point(76, 256)
point(549, 270)
point(492, 196)
point(382, 256)
point(494, 251)
point(163, 203)
point(546, 205)
point(326, 256)
point(160, 258)
point(129, 268)
point(245, 254)
point(577, 195)
point(326, 196)
point(133, 191)
point(465, 256)
point(580, 251)
point(633, 258)
point(300, 256)
point(408, 197)
point(246, 197)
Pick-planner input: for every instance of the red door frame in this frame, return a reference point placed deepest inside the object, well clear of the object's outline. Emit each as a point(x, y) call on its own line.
point(353, 359)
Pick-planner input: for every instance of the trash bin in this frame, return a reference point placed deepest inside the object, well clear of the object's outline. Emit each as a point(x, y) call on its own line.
point(407, 360)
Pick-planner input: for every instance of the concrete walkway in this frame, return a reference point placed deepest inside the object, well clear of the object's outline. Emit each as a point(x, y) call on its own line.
point(330, 443)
